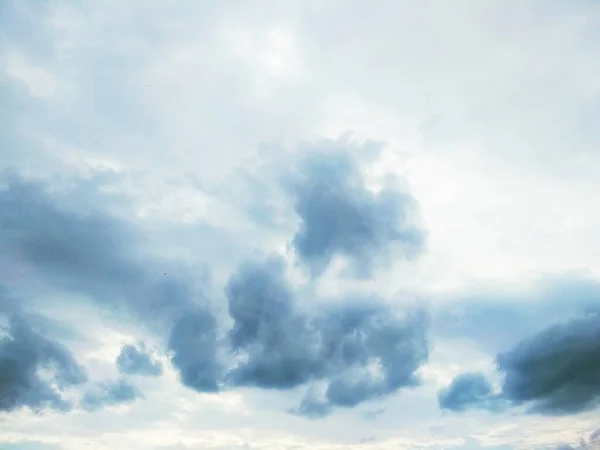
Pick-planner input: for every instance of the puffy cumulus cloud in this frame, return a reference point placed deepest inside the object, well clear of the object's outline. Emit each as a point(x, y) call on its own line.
point(137, 360)
point(360, 348)
point(109, 393)
point(553, 372)
point(340, 216)
point(34, 370)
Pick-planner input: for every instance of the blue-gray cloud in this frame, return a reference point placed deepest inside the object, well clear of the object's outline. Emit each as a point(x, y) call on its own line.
point(282, 347)
point(137, 360)
point(273, 344)
point(92, 252)
point(555, 371)
point(341, 217)
point(109, 393)
point(24, 353)
point(467, 390)
point(193, 343)
point(280, 350)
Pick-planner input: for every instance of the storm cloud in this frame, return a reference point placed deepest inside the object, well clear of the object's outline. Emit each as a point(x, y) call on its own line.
point(554, 372)
point(341, 217)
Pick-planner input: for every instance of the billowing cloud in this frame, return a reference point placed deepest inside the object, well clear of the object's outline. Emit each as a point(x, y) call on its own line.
point(34, 370)
point(137, 360)
point(341, 217)
point(360, 348)
point(109, 393)
point(553, 372)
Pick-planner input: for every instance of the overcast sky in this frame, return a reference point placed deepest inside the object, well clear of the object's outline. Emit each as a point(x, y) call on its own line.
point(299, 225)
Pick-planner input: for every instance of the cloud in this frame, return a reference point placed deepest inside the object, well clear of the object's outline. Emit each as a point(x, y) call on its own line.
point(138, 361)
point(341, 217)
point(109, 393)
point(34, 370)
point(92, 252)
point(280, 350)
point(466, 391)
point(361, 348)
point(554, 372)
point(193, 343)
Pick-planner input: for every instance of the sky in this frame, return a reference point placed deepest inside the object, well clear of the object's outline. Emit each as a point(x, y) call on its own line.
point(299, 225)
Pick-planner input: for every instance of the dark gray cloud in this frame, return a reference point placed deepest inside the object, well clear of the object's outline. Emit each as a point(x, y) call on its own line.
point(137, 360)
point(340, 216)
point(468, 390)
point(556, 371)
point(109, 393)
point(34, 370)
point(281, 347)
